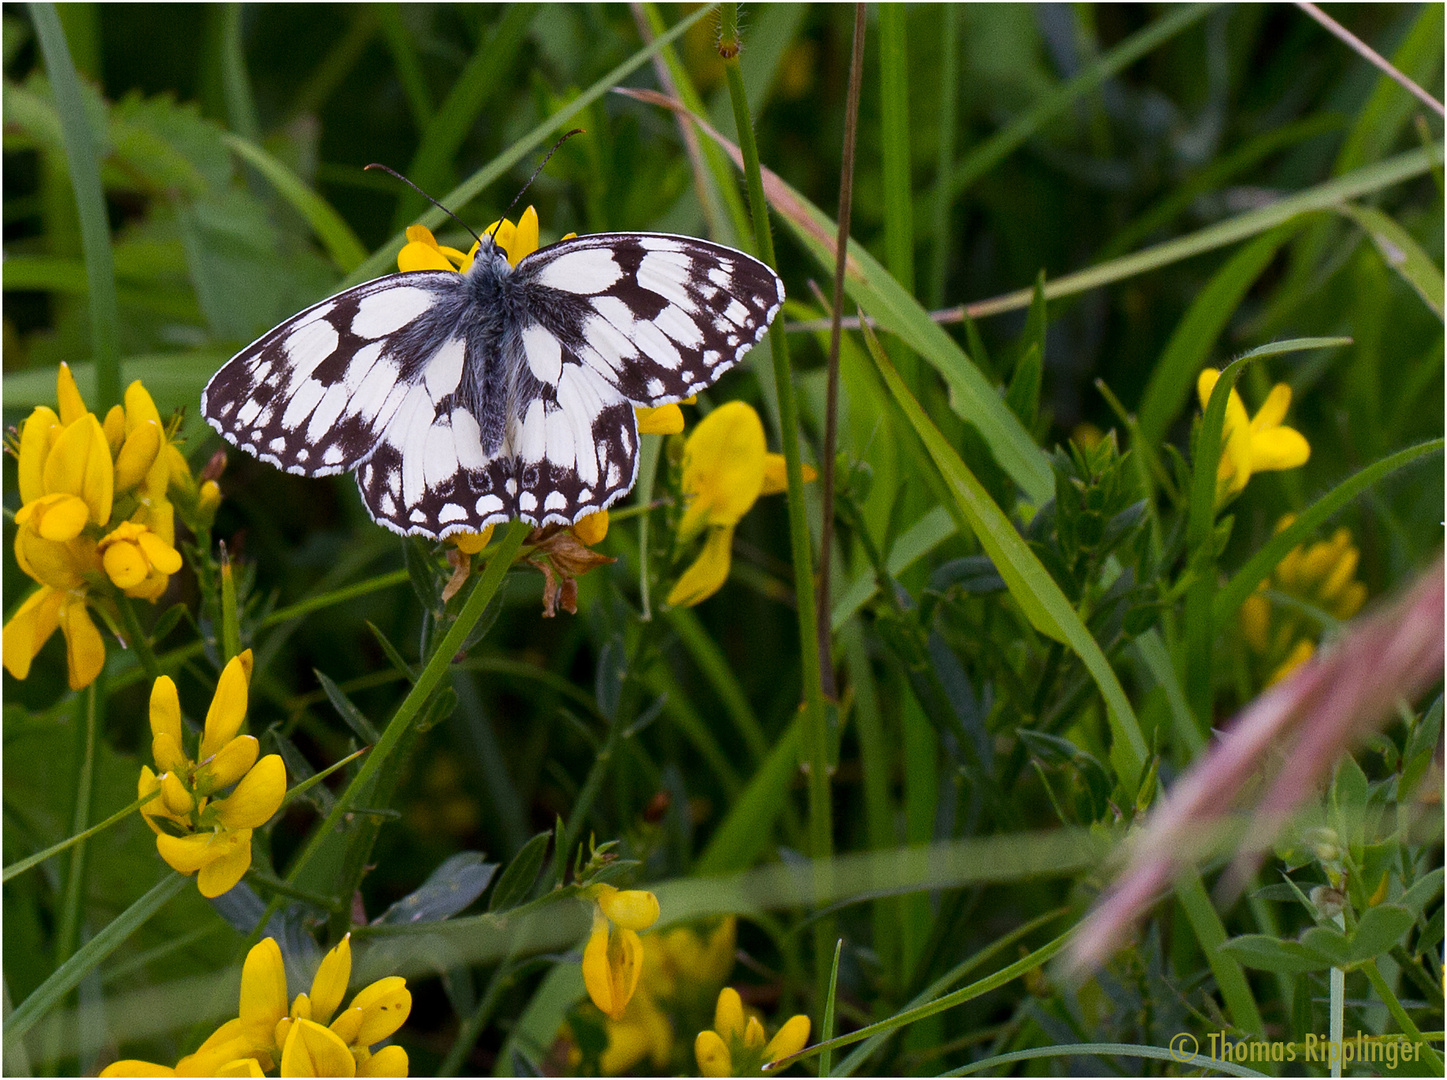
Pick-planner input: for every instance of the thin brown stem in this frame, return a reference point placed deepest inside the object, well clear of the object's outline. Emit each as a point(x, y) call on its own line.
point(1371, 56)
point(831, 407)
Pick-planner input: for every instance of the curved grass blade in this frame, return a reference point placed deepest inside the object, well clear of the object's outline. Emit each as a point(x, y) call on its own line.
point(1130, 1050)
point(330, 228)
point(826, 1029)
point(95, 234)
point(1029, 582)
point(1400, 252)
point(1258, 568)
point(1195, 335)
point(21, 865)
point(475, 184)
point(68, 976)
point(1325, 196)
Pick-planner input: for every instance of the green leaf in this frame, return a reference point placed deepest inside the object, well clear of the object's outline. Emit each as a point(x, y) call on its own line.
point(1331, 945)
point(517, 880)
point(1023, 396)
point(1029, 583)
point(348, 712)
point(329, 226)
point(1270, 954)
point(457, 882)
point(1400, 252)
point(1422, 892)
point(1379, 929)
point(422, 571)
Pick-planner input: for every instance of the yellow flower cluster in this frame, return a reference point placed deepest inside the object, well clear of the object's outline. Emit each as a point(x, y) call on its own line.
point(1323, 575)
point(738, 1046)
point(96, 520)
point(303, 1040)
point(613, 957)
point(726, 467)
point(197, 831)
point(1260, 443)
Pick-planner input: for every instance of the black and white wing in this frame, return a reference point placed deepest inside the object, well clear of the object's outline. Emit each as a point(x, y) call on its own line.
point(315, 394)
point(657, 317)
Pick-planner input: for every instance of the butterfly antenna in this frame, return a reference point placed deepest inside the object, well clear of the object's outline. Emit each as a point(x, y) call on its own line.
point(426, 196)
point(566, 136)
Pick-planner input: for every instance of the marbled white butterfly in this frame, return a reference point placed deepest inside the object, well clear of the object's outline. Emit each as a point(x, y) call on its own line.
point(465, 399)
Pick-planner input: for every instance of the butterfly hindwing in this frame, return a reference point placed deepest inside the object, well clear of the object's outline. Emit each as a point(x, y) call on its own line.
point(658, 317)
point(312, 396)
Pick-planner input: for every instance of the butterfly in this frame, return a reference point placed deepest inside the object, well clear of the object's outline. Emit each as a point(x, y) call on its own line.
point(460, 400)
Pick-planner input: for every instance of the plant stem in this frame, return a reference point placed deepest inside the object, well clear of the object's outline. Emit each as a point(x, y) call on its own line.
point(411, 707)
point(821, 839)
point(831, 401)
point(471, 1028)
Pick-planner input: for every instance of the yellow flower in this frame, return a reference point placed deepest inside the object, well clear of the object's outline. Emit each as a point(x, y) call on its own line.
point(137, 560)
point(1258, 444)
point(306, 1039)
point(198, 832)
point(592, 528)
point(423, 252)
point(726, 467)
point(737, 1044)
point(683, 969)
point(613, 957)
point(1322, 574)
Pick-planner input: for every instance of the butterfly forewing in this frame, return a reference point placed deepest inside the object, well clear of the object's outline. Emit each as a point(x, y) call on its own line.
point(658, 317)
point(461, 400)
point(313, 395)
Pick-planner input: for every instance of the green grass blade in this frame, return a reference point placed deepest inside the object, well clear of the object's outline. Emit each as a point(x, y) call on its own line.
point(1011, 137)
point(945, 152)
point(895, 147)
point(236, 82)
point(1216, 175)
point(68, 976)
point(748, 827)
point(1128, 1050)
point(720, 675)
point(1258, 568)
point(861, 1053)
point(939, 1005)
point(458, 198)
point(404, 59)
point(1324, 196)
point(1211, 935)
point(474, 88)
point(826, 1029)
point(330, 228)
point(82, 154)
point(1402, 253)
point(21, 865)
point(1029, 583)
point(1174, 374)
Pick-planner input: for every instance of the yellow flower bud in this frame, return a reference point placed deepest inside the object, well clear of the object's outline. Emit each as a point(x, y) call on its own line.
point(728, 1015)
point(175, 796)
point(312, 1050)
point(137, 455)
point(661, 420)
point(231, 763)
point(592, 528)
point(789, 1040)
point(72, 405)
point(635, 909)
point(385, 1006)
point(388, 1061)
point(712, 1054)
point(330, 983)
point(228, 707)
point(263, 992)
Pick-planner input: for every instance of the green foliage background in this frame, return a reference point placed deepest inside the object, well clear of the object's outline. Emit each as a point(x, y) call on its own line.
point(998, 145)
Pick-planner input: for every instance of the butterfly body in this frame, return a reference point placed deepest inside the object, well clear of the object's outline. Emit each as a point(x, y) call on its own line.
point(465, 399)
